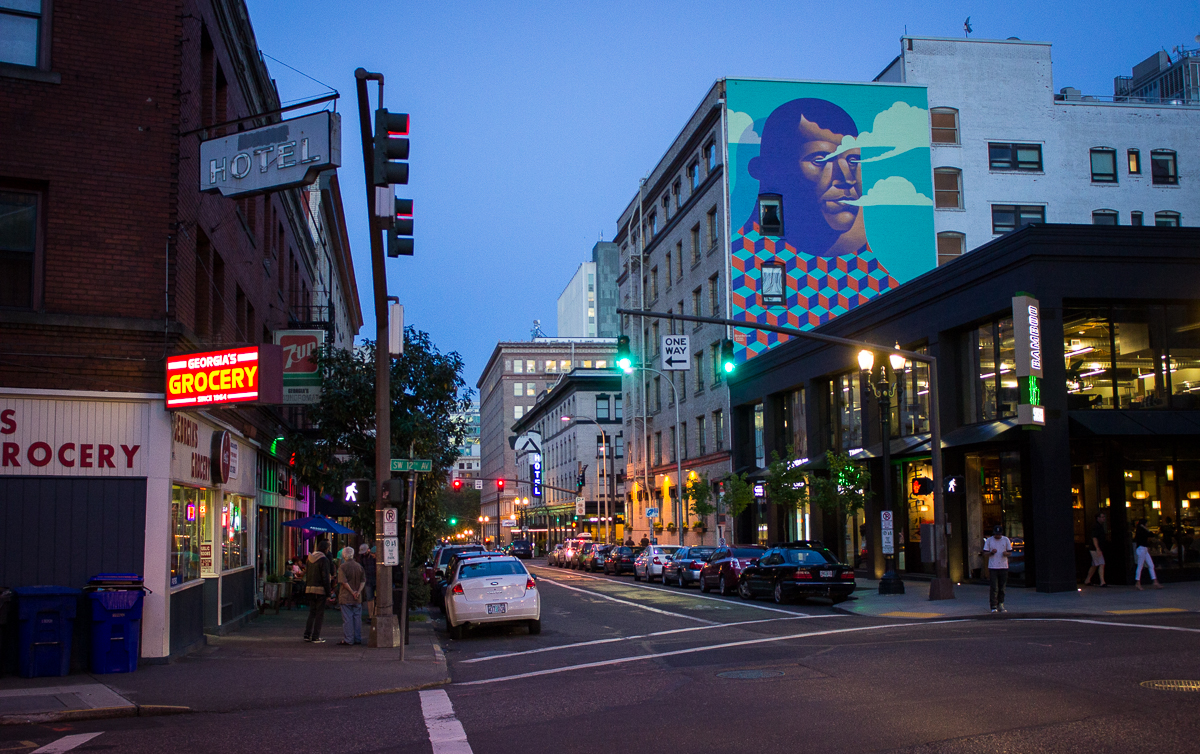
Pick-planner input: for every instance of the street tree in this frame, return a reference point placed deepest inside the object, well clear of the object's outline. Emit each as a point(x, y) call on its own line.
point(699, 493)
point(787, 484)
point(739, 494)
point(844, 492)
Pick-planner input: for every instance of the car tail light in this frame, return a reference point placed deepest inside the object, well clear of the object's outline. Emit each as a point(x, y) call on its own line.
point(848, 575)
point(802, 575)
point(530, 584)
point(656, 561)
point(457, 589)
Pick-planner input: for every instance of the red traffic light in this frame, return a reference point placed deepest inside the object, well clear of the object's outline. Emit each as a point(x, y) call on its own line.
point(499, 484)
point(457, 485)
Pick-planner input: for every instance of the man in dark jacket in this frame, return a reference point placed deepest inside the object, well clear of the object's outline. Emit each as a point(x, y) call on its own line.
point(316, 587)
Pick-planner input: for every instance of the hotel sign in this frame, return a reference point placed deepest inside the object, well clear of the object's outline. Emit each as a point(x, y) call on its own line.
point(274, 157)
point(236, 375)
point(1027, 331)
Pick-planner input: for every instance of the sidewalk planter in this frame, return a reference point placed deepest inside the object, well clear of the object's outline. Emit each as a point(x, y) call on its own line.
point(47, 617)
point(116, 607)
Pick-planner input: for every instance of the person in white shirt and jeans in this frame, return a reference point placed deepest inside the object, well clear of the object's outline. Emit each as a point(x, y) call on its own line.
point(997, 547)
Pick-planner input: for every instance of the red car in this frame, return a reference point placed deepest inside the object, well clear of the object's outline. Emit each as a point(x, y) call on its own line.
point(725, 566)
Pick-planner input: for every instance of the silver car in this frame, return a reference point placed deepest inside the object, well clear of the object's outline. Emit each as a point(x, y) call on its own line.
point(649, 565)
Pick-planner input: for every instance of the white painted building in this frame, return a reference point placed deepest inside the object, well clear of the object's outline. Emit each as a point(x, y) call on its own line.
point(577, 304)
point(1009, 150)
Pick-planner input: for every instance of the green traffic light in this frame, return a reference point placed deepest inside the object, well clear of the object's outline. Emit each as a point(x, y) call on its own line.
point(728, 363)
point(454, 522)
point(624, 355)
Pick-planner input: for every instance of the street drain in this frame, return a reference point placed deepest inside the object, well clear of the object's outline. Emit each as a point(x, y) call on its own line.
point(1172, 685)
point(750, 674)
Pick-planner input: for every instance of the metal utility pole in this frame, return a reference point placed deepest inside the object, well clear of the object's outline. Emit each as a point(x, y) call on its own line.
point(384, 627)
point(408, 534)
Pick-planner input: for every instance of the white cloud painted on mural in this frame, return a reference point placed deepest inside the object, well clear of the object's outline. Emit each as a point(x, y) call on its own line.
point(898, 129)
point(892, 191)
point(741, 129)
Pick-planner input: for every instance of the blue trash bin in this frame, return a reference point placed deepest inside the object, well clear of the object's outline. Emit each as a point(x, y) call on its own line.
point(46, 618)
point(116, 600)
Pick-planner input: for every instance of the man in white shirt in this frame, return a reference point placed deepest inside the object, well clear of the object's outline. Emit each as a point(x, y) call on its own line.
point(996, 548)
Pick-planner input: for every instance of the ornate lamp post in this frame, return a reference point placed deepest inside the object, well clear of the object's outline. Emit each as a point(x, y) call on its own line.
point(884, 389)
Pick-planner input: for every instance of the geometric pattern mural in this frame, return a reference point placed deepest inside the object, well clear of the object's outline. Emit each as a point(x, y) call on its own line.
point(824, 286)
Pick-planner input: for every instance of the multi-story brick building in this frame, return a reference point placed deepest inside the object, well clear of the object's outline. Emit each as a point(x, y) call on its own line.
point(112, 261)
point(515, 375)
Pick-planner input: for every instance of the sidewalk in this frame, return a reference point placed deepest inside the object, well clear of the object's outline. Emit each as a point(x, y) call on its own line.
point(971, 601)
point(266, 664)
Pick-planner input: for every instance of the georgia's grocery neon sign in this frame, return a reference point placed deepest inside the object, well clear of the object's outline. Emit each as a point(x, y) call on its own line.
point(205, 379)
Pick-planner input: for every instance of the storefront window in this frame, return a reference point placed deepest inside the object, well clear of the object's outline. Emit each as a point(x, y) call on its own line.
point(1087, 351)
point(760, 451)
point(796, 423)
point(1183, 342)
point(189, 511)
point(995, 497)
point(847, 395)
point(918, 550)
point(910, 410)
point(234, 527)
point(993, 393)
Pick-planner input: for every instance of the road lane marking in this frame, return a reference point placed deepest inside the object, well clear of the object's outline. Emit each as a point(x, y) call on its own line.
point(901, 614)
point(643, 636)
point(446, 734)
point(1146, 610)
point(693, 650)
point(1114, 623)
point(676, 592)
point(626, 602)
point(66, 743)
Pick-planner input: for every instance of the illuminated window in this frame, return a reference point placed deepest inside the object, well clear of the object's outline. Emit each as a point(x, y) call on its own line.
point(1135, 161)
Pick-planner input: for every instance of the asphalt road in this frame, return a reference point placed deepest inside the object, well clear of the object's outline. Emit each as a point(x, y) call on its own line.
point(632, 668)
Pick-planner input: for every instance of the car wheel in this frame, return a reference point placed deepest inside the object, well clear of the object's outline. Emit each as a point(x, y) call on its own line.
point(458, 632)
point(779, 598)
point(535, 627)
point(682, 583)
point(744, 590)
point(636, 576)
point(722, 587)
point(703, 585)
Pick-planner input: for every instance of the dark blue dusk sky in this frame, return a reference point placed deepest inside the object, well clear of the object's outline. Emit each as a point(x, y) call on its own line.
point(532, 122)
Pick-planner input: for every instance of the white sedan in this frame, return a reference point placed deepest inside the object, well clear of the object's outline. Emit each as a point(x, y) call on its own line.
point(496, 589)
point(650, 563)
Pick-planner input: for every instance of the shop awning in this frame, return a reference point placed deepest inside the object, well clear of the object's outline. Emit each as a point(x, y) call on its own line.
point(977, 433)
point(1135, 422)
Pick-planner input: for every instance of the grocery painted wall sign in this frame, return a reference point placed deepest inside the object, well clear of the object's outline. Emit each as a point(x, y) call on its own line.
point(62, 438)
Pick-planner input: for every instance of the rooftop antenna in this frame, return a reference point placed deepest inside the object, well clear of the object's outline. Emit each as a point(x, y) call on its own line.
point(967, 27)
point(537, 330)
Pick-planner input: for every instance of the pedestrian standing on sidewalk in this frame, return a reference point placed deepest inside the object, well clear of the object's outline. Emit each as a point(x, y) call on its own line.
point(1096, 545)
point(1141, 537)
point(367, 557)
point(316, 588)
point(997, 547)
point(352, 580)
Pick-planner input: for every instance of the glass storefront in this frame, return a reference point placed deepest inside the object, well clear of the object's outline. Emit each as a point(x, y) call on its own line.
point(189, 512)
point(919, 539)
point(234, 532)
point(994, 497)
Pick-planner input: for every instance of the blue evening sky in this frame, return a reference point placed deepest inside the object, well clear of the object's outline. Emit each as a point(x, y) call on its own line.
point(533, 121)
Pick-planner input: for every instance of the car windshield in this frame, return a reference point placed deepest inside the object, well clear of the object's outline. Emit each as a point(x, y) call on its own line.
point(623, 551)
point(666, 550)
point(747, 552)
point(808, 557)
point(472, 570)
point(450, 552)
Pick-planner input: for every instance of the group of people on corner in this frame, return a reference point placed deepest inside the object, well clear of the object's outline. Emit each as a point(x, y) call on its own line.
point(348, 584)
point(1141, 541)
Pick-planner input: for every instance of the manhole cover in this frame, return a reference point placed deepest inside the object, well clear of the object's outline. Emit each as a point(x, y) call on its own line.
point(750, 674)
point(1172, 685)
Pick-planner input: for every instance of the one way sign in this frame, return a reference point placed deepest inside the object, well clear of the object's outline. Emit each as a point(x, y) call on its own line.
point(676, 353)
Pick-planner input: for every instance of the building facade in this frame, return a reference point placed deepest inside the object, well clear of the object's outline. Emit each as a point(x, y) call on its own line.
point(469, 464)
point(99, 294)
point(1120, 368)
point(579, 423)
point(515, 375)
point(587, 307)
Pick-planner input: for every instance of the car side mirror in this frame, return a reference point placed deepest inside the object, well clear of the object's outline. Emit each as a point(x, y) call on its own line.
point(753, 561)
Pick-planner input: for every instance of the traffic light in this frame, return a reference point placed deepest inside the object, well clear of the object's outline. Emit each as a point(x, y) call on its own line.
point(624, 355)
point(393, 491)
point(922, 485)
point(453, 522)
point(399, 239)
point(727, 362)
point(391, 148)
point(580, 479)
point(500, 484)
point(357, 491)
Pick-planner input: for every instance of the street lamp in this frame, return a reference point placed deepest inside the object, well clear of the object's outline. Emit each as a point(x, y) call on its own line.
point(884, 389)
point(608, 477)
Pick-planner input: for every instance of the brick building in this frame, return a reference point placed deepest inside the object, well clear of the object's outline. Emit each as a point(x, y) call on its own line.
point(112, 260)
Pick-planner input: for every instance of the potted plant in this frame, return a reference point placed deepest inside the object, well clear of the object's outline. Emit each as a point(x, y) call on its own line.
point(671, 527)
point(700, 527)
point(658, 528)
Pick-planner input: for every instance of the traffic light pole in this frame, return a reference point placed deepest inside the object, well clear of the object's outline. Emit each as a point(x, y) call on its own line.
point(941, 588)
point(385, 630)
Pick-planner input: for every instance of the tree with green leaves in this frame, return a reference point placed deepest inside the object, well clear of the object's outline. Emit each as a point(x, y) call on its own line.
point(844, 491)
point(739, 495)
point(699, 494)
point(787, 484)
point(427, 390)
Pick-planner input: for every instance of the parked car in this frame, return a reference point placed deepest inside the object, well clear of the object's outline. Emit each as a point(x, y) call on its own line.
point(581, 554)
point(650, 563)
point(797, 569)
point(555, 555)
point(520, 548)
point(685, 565)
point(725, 566)
point(455, 559)
point(436, 567)
point(620, 559)
point(491, 589)
point(570, 549)
point(593, 560)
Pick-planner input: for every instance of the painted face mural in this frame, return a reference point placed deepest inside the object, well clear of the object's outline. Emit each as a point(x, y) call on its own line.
point(830, 184)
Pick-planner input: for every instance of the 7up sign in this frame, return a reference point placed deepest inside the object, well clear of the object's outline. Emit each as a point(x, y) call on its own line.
point(301, 380)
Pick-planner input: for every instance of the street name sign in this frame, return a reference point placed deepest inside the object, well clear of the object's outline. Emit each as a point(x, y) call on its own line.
point(391, 551)
point(271, 158)
point(676, 353)
point(421, 466)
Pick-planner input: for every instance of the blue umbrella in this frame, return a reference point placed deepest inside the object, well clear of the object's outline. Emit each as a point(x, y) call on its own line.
point(319, 523)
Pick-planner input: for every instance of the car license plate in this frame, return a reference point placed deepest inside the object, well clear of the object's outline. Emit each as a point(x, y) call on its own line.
point(497, 609)
point(827, 574)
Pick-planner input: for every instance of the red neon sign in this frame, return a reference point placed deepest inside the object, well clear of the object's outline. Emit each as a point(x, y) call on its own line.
point(235, 375)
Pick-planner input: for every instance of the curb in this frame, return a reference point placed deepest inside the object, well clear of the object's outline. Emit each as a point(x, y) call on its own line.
point(1009, 615)
point(97, 713)
point(403, 689)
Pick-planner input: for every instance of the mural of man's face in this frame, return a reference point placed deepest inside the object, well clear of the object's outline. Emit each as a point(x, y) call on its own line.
point(834, 180)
